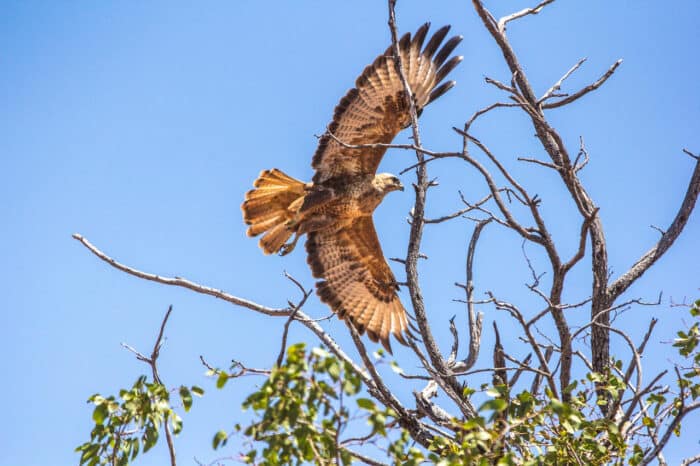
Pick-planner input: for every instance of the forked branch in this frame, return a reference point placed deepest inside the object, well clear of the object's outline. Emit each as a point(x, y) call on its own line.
point(591, 87)
point(152, 362)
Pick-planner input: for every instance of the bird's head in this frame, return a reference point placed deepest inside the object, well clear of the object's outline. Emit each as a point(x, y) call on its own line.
point(386, 182)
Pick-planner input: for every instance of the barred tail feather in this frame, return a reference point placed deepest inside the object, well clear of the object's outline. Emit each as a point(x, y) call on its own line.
point(268, 208)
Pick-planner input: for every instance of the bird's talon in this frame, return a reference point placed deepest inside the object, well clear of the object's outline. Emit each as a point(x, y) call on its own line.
point(287, 248)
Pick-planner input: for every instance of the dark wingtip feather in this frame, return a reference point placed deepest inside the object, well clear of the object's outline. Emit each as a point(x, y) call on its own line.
point(447, 67)
point(435, 41)
point(387, 345)
point(419, 36)
point(405, 41)
point(447, 49)
point(361, 330)
point(440, 90)
point(399, 337)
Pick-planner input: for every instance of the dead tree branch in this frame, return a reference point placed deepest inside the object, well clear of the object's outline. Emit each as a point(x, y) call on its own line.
point(591, 87)
point(550, 92)
point(667, 239)
point(691, 460)
point(448, 382)
point(181, 282)
point(524, 12)
point(295, 308)
point(152, 362)
point(552, 143)
point(475, 320)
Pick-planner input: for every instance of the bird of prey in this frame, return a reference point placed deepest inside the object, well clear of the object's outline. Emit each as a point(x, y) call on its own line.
point(335, 209)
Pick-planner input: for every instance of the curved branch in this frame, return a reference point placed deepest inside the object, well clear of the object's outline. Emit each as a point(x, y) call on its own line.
point(184, 283)
point(667, 239)
point(475, 320)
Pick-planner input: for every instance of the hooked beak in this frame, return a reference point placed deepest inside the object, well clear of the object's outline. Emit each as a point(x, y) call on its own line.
point(400, 188)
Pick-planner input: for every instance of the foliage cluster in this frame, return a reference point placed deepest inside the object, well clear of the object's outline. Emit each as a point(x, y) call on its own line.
point(305, 407)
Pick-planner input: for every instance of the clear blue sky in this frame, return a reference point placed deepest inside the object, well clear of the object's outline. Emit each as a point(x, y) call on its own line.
point(142, 124)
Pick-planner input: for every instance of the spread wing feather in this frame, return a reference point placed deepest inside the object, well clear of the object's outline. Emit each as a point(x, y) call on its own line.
point(375, 110)
point(358, 283)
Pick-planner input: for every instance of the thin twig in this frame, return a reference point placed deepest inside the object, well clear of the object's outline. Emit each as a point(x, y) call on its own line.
point(687, 152)
point(540, 162)
point(524, 12)
point(691, 460)
point(152, 361)
point(585, 90)
point(292, 315)
point(461, 212)
point(544, 366)
point(487, 109)
point(550, 92)
point(500, 85)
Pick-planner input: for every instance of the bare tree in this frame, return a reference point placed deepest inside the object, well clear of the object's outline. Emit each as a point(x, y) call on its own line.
point(622, 392)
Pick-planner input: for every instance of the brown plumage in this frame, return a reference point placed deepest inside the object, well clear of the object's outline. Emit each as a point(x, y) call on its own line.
point(335, 209)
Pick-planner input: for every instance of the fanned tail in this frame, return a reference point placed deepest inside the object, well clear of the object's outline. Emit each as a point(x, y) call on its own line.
point(270, 206)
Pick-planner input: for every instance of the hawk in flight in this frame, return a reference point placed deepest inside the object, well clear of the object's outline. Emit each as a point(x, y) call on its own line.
point(335, 209)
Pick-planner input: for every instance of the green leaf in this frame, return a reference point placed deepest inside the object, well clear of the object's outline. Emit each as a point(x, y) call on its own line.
point(197, 390)
point(186, 397)
point(334, 370)
point(497, 404)
point(695, 310)
point(219, 439)
point(571, 387)
point(150, 437)
point(557, 406)
point(135, 451)
point(221, 381)
point(99, 414)
point(395, 367)
point(177, 423)
point(366, 403)
point(89, 452)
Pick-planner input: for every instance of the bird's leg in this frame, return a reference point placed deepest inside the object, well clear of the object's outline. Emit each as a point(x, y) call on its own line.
point(289, 247)
point(302, 225)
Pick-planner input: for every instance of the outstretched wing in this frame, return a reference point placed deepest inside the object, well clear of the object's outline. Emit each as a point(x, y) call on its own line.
point(375, 110)
point(358, 283)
